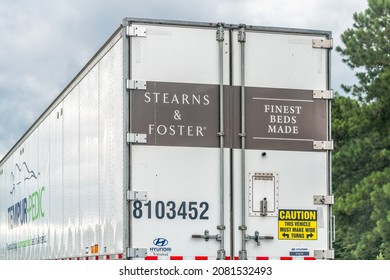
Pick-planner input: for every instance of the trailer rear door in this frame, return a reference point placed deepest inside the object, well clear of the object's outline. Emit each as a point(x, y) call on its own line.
point(179, 166)
point(282, 195)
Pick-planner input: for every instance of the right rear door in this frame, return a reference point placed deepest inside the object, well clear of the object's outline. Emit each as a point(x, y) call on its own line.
point(281, 152)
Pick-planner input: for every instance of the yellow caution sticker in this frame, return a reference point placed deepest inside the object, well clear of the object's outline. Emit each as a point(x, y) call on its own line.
point(297, 224)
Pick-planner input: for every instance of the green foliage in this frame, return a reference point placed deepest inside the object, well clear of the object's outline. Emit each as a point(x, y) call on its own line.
point(361, 129)
point(364, 224)
point(367, 49)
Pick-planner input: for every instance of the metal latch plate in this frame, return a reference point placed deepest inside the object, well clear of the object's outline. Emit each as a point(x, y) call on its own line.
point(137, 195)
point(323, 199)
point(136, 252)
point(323, 43)
point(323, 145)
point(322, 94)
point(137, 138)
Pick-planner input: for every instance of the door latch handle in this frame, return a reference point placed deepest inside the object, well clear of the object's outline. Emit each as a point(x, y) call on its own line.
point(206, 236)
point(257, 237)
point(263, 207)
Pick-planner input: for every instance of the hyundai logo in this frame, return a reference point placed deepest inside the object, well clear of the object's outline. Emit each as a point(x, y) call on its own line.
point(160, 242)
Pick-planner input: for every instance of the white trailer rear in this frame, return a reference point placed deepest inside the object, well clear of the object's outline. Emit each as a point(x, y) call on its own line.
point(180, 140)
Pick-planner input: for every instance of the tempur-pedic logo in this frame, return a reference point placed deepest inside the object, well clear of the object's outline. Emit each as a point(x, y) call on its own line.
point(29, 208)
point(160, 247)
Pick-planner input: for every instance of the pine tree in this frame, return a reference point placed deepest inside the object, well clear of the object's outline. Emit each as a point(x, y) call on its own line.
point(361, 126)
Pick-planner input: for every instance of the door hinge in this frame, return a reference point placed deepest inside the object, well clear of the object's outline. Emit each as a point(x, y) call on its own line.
point(136, 253)
point(323, 199)
point(324, 254)
point(136, 84)
point(139, 138)
point(322, 43)
point(136, 31)
point(323, 145)
point(322, 94)
point(136, 195)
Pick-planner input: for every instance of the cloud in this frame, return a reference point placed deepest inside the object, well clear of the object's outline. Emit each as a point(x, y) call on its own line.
point(45, 43)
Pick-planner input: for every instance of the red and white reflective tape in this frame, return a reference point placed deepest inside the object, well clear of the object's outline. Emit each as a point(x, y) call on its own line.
point(97, 257)
point(177, 258)
point(260, 258)
point(201, 258)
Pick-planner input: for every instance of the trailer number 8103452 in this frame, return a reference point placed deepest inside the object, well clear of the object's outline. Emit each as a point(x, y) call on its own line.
point(192, 210)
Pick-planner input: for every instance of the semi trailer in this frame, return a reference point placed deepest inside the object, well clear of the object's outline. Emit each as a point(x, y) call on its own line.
point(180, 140)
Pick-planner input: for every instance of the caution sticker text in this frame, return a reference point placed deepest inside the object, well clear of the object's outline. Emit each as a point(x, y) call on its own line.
point(297, 225)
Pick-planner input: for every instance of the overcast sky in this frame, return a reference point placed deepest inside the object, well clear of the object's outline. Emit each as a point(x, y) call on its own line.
point(44, 43)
